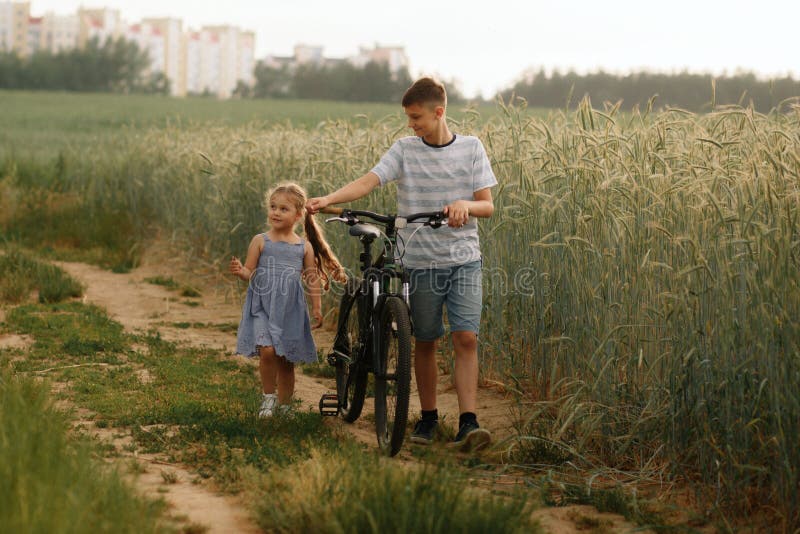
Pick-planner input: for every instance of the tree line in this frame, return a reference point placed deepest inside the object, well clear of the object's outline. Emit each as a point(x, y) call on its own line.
point(693, 92)
point(115, 65)
point(340, 80)
point(118, 65)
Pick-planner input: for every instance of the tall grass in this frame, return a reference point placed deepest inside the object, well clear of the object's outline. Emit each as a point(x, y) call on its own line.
point(51, 483)
point(354, 492)
point(641, 270)
point(20, 274)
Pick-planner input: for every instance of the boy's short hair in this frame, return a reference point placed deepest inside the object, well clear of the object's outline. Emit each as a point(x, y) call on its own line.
point(425, 91)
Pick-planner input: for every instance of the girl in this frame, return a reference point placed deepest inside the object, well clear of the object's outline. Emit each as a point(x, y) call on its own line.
point(275, 322)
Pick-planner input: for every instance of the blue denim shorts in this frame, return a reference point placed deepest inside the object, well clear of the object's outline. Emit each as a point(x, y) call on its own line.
point(458, 288)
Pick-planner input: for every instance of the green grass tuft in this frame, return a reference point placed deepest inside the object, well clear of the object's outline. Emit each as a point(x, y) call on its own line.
point(356, 492)
point(20, 274)
point(51, 483)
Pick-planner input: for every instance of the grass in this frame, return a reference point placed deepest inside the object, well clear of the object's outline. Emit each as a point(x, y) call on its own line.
point(351, 492)
point(20, 274)
point(50, 481)
point(641, 274)
point(199, 408)
point(165, 281)
point(46, 123)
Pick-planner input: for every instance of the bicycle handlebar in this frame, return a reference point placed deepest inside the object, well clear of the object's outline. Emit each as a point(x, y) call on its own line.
point(350, 217)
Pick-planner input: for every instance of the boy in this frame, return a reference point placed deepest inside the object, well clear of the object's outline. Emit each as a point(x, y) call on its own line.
point(437, 170)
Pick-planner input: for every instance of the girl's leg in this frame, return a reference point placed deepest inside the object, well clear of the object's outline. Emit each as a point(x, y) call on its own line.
point(285, 380)
point(268, 368)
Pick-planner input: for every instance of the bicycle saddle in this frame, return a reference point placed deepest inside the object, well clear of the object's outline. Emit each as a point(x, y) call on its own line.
point(365, 230)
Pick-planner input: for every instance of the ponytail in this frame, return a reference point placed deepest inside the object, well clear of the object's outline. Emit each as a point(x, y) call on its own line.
point(324, 257)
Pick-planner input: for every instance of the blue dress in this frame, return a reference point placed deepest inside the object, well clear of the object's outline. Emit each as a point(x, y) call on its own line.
point(275, 313)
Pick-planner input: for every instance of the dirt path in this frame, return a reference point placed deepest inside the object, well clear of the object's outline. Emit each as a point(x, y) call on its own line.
point(142, 306)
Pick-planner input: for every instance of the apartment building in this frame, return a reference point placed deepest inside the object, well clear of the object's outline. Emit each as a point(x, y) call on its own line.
point(218, 58)
point(149, 39)
point(101, 24)
point(212, 60)
point(169, 46)
point(14, 22)
point(203, 63)
point(60, 32)
point(393, 56)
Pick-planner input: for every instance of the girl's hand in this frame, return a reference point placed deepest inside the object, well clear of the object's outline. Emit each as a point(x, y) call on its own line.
point(235, 266)
point(457, 213)
point(317, 319)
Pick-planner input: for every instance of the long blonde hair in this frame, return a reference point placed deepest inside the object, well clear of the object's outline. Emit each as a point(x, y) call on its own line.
point(324, 258)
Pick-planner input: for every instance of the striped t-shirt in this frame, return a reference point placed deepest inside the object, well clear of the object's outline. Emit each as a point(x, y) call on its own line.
point(429, 177)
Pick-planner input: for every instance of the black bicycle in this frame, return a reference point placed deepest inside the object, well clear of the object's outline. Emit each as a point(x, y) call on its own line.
point(374, 330)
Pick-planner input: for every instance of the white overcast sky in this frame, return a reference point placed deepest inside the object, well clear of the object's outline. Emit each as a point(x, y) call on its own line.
point(487, 45)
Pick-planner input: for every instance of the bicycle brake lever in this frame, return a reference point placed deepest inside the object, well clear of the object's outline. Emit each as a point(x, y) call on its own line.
point(343, 219)
point(437, 222)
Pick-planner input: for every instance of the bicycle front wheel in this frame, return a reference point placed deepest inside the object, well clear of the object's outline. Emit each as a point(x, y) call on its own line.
point(351, 371)
point(393, 375)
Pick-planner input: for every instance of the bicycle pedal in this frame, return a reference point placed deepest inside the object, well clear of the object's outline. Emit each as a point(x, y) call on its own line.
point(331, 359)
point(329, 405)
point(335, 356)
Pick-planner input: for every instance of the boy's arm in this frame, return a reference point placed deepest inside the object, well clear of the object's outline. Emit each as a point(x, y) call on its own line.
point(352, 191)
point(314, 283)
point(481, 205)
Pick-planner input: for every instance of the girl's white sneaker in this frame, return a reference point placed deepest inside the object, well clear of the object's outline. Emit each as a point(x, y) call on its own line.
point(268, 402)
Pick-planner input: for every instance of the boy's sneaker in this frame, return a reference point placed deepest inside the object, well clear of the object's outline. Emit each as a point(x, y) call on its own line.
point(268, 402)
point(471, 437)
point(424, 431)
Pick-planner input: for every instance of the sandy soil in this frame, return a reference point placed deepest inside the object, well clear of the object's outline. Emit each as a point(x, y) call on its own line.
point(142, 306)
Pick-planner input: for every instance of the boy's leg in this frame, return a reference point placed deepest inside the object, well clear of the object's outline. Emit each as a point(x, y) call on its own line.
point(426, 371)
point(464, 303)
point(465, 346)
point(427, 300)
point(285, 380)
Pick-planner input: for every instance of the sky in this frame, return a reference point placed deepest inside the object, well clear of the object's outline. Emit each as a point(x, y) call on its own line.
point(485, 46)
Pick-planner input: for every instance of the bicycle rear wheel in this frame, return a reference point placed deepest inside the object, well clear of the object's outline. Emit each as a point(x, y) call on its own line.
point(351, 371)
point(393, 376)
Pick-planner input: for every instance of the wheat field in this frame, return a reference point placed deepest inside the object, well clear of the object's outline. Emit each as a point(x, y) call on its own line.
point(641, 269)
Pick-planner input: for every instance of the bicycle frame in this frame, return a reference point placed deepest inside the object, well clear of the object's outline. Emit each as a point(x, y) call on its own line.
point(380, 340)
point(377, 280)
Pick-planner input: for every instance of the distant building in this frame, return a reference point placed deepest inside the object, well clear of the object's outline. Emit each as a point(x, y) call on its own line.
point(393, 56)
point(166, 51)
point(101, 24)
point(213, 60)
point(151, 40)
point(60, 32)
point(218, 58)
point(35, 35)
point(203, 63)
point(14, 22)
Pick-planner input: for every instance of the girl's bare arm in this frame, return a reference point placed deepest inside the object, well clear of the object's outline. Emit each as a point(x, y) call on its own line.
point(253, 252)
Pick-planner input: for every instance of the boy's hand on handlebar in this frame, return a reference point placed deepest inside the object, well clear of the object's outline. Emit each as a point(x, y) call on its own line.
point(315, 204)
point(457, 213)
